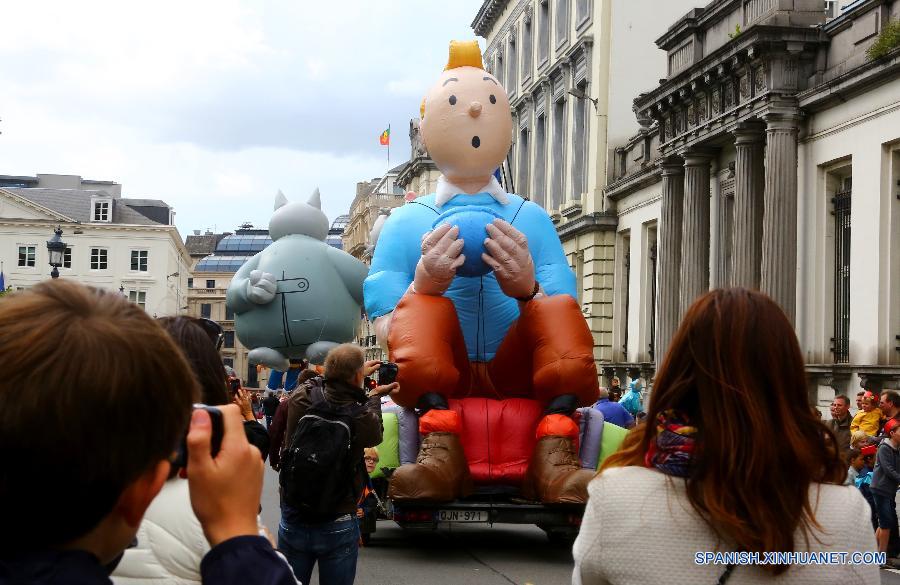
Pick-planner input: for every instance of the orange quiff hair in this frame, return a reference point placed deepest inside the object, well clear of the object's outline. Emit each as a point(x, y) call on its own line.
point(462, 54)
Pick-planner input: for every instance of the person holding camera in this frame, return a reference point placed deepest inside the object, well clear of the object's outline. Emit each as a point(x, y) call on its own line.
point(321, 481)
point(73, 495)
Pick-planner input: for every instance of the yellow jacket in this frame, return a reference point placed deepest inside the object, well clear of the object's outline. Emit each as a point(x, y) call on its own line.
point(867, 422)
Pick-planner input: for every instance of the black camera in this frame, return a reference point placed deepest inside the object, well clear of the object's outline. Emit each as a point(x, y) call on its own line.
point(387, 373)
point(218, 430)
point(235, 385)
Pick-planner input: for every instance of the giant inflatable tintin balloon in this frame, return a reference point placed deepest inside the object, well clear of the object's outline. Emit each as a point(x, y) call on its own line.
point(474, 294)
point(299, 297)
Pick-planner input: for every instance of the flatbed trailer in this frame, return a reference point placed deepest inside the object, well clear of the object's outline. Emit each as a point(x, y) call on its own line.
point(560, 522)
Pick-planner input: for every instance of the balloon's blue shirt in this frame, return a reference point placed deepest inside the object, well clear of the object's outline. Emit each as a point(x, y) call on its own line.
point(485, 313)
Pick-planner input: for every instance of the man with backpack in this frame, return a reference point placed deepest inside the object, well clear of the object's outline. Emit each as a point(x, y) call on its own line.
point(331, 419)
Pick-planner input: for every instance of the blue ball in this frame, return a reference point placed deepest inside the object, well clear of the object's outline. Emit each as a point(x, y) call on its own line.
point(472, 223)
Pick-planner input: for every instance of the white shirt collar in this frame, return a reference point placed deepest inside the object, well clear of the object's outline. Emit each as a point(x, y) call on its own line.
point(446, 191)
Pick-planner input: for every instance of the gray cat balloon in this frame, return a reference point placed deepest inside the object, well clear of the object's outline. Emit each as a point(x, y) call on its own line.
point(299, 297)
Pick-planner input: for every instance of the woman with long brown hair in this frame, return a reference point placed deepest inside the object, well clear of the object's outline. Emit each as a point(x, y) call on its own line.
point(731, 460)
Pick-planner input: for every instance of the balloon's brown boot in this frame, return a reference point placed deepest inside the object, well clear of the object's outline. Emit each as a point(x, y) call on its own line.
point(440, 473)
point(555, 475)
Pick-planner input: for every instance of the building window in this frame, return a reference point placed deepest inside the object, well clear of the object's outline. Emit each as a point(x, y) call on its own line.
point(99, 257)
point(582, 11)
point(67, 258)
point(841, 211)
point(210, 284)
point(252, 376)
point(27, 256)
point(626, 282)
point(229, 314)
point(190, 283)
point(229, 339)
point(526, 50)
point(512, 62)
point(543, 32)
point(558, 154)
point(579, 150)
point(228, 362)
point(522, 180)
point(652, 253)
point(499, 70)
point(205, 310)
point(562, 22)
point(139, 260)
point(138, 297)
point(540, 161)
point(101, 210)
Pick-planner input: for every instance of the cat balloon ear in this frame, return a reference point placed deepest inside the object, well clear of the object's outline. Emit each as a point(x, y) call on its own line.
point(280, 200)
point(315, 199)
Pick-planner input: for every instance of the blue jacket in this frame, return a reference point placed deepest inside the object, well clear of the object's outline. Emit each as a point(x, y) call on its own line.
point(243, 560)
point(485, 313)
point(631, 401)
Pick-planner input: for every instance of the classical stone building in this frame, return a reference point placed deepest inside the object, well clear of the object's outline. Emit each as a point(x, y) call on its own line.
point(113, 242)
point(768, 157)
point(420, 175)
point(215, 258)
point(571, 68)
point(373, 198)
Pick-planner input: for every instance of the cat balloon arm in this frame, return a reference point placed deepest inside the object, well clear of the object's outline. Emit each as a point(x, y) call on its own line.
point(250, 287)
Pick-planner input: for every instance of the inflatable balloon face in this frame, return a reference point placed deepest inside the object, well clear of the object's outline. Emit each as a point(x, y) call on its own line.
point(299, 297)
point(466, 123)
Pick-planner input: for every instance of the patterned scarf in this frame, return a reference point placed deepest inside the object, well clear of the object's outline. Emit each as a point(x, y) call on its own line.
point(673, 447)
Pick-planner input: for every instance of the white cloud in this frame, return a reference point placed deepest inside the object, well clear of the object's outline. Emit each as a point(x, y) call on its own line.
point(213, 105)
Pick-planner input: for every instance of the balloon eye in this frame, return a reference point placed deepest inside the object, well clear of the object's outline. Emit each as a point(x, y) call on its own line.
point(452, 100)
point(493, 99)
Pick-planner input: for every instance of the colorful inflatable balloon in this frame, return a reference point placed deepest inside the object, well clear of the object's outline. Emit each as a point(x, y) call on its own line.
point(299, 297)
point(472, 290)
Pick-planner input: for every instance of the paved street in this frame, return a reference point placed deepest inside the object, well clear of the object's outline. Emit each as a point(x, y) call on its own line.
point(497, 555)
point(500, 555)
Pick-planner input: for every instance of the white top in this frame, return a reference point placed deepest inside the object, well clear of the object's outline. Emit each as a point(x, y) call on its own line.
point(639, 527)
point(170, 545)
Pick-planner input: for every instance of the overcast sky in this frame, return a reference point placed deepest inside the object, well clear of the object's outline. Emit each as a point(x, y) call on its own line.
point(213, 106)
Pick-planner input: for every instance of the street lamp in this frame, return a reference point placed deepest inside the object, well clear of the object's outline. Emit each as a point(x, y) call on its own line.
point(56, 249)
point(579, 94)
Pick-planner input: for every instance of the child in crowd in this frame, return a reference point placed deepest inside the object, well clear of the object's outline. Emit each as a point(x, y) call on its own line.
point(111, 406)
point(863, 464)
point(367, 509)
point(869, 418)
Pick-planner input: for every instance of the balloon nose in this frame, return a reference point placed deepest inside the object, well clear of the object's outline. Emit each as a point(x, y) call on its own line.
point(475, 109)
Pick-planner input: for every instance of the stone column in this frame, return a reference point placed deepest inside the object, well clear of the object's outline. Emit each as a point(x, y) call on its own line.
point(779, 240)
point(749, 181)
point(669, 255)
point(695, 230)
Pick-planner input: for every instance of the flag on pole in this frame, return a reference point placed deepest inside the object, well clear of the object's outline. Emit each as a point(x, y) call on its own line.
point(385, 139)
point(2, 281)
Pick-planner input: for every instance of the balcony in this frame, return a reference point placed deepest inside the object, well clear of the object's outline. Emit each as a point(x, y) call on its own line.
point(207, 292)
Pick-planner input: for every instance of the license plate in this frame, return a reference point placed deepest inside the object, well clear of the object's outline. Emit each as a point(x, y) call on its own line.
point(462, 516)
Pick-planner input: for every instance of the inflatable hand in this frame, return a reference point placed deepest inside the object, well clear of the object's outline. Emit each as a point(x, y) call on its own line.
point(441, 256)
point(261, 287)
point(508, 255)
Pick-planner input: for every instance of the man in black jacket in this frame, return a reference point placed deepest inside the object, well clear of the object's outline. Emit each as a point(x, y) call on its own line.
point(88, 443)
point(270, 405)
point(333, 541)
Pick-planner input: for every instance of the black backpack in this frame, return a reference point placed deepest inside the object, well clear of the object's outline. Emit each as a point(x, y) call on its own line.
point(318, 470)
